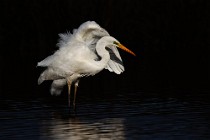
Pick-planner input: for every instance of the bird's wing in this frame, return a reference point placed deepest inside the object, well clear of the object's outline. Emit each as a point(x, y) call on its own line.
point(85, 33)
point(82, 34)
point(115, 63)
point(64, 39)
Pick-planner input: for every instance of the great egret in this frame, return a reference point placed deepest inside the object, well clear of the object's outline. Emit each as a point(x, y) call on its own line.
point(86, 52)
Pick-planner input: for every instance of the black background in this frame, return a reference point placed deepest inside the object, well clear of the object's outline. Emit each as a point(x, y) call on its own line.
point(170, 38)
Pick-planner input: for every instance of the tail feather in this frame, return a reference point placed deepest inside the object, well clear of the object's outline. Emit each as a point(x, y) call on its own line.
point(57, 86)
point(46, 62)
point(48, 74)
point(41, 78)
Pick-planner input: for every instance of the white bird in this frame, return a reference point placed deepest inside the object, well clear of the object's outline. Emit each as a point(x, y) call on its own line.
point(87, 51)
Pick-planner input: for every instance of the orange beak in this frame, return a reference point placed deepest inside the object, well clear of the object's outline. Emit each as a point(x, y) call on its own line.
point(125, 49)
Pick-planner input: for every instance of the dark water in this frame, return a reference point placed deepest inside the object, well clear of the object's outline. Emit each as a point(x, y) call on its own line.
point(122, 116)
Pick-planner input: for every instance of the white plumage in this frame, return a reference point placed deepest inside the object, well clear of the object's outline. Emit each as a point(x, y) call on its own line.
point(87, 51)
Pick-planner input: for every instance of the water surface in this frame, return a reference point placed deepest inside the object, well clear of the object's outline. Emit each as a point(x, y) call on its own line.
point(122, 116)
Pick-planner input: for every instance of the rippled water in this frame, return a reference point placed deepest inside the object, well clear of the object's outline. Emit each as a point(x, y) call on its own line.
point(123, 116)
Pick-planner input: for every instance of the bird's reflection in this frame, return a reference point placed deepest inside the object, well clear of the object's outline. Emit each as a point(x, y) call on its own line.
point(75, 128)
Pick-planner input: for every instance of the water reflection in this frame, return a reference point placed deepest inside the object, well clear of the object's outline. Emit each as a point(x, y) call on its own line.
point(76, 129)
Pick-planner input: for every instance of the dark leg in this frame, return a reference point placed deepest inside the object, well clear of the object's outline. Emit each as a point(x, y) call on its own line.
point(69, 93)
point(75, 94)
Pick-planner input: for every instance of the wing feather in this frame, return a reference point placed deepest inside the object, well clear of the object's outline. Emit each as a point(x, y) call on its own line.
point(115, 63)
point(57, 86)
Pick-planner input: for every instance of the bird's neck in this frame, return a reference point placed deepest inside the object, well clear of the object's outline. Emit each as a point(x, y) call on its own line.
point(103, 53)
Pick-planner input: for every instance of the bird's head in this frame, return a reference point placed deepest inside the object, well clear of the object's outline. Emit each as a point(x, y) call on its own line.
point(109, 41)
